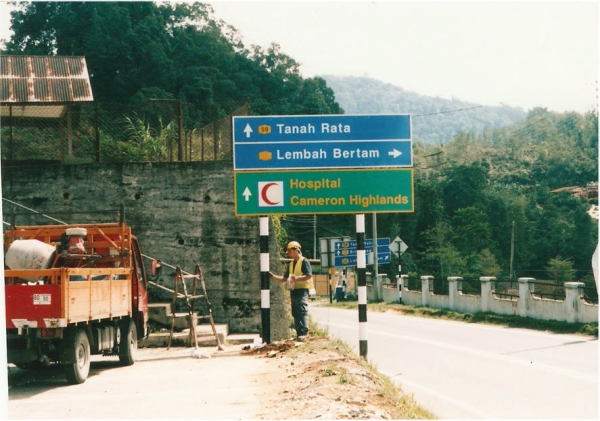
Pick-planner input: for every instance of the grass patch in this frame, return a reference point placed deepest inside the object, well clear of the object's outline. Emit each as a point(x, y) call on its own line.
point(554, 326)
point(334, 370)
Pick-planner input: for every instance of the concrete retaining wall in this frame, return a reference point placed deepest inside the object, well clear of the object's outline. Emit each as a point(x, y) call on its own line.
point(182, 214)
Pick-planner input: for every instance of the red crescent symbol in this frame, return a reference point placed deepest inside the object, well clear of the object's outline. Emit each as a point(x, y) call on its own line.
point(263, 194)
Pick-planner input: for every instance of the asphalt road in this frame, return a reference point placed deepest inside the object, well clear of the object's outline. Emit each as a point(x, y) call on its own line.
point(471, 371)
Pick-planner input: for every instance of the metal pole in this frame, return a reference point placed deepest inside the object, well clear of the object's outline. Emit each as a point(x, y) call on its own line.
point(69, 134)
point(97, 134)
point(362, 284)
point(179, 131)
point(375, 262)
point(331, 265)
point(215, 139)
point(512, 250)
point(265, 293)
point(314, 236)
point(11, 156)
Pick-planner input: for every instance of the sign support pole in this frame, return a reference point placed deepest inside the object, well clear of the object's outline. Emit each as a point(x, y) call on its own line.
point(332, 265)
point(361, 260)
point(265, 293)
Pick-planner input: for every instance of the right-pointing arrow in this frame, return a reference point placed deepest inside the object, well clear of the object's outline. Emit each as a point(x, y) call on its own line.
point(395, 153)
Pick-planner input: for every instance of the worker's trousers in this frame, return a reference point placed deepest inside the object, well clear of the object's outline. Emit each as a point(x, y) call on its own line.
point(299, 298)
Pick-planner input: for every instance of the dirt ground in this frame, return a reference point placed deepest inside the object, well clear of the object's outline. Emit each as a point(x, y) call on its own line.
point(319, 380)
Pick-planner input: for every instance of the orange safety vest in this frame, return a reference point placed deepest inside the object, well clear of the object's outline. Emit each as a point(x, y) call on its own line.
point(297, 270)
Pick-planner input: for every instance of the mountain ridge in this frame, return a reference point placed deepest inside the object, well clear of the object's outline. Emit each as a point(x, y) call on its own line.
point(435, 120)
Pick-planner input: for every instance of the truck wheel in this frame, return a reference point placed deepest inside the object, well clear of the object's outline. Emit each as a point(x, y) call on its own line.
point(128, 344)
point(77, 371)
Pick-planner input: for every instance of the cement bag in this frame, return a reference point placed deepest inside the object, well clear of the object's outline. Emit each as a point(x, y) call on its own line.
point(29, 254)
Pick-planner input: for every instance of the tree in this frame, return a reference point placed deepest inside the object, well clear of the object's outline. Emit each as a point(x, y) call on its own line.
point(465, 187)
point(471, 231)
point(180, 49)
point(486, 264)
point(561, 269)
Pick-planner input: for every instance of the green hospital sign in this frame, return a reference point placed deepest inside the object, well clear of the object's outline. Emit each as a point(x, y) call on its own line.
point(323, 192)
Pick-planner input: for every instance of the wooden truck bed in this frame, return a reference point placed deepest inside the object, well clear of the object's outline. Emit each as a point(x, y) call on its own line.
point(74, 295)
point(77, 288)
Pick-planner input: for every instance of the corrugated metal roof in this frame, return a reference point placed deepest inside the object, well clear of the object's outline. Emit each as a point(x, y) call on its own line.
point(43, 79)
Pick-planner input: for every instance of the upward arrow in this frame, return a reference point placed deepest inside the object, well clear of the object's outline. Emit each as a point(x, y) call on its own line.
point(247, 194)
point(248, 130)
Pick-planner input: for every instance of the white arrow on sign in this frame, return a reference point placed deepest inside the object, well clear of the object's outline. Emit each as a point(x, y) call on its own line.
point(248, 130)
point(247, 194)
point(398, 246)
point(395, 153)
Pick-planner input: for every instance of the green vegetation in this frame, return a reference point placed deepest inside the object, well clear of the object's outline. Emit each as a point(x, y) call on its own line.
point(486, 318)
point(482, 195)
point(137, 51)
point(334, 370)
point(435, 120)
point(482, 198)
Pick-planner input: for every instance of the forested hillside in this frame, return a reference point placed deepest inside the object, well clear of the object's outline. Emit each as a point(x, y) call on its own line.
point(480, 173)
point(435, 120)
point(141, 50)
point(470, 192)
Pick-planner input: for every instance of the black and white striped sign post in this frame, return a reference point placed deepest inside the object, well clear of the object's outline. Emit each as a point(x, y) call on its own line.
point(383, 182)
point(265, 293)
point(361, 265)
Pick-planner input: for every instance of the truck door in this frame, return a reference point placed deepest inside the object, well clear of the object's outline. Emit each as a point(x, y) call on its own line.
point(140, 290)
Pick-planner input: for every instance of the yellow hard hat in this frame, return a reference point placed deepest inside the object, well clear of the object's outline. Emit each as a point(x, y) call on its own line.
point(293, 245)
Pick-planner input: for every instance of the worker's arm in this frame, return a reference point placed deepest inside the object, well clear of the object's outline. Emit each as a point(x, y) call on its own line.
point(277, 277)
point(300, 278)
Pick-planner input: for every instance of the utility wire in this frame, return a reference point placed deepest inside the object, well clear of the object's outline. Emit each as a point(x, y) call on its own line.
point(450, 111)
point(64, 223)
point(32, 210)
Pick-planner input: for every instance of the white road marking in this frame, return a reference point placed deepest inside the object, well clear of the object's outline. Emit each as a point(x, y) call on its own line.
point(504, 358)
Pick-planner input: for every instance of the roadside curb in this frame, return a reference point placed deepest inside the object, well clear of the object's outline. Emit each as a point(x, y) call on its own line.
point(204, 335)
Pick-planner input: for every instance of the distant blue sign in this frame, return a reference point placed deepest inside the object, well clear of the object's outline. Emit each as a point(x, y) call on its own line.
point(382, 258)
point(351, 244)
point(352, 251)
point(321, 141)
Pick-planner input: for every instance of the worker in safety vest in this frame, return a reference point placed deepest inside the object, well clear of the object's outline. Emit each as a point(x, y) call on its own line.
point(298, 277)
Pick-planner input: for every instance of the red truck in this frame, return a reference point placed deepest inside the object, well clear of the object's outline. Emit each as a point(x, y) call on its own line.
point(72, 291)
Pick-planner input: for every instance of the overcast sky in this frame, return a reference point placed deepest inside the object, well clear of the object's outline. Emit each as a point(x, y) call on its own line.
point(525, 54)
point(522, 54)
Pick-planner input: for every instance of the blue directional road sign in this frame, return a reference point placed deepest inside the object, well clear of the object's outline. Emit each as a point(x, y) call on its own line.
point(352, 252)
point(345, 252)
point(382, 258)
point(321, 141)
point(351, 244)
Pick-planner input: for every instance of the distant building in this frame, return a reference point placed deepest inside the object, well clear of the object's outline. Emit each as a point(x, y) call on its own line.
point(36, 91)
point(589, 191)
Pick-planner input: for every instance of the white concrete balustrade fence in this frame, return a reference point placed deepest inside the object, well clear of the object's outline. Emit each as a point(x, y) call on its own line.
point(572, 309)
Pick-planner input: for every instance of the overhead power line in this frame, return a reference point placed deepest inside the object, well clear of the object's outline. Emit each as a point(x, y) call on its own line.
point(450, 111)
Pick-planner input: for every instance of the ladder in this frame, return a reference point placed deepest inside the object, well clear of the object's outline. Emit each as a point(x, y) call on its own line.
point(189, 299)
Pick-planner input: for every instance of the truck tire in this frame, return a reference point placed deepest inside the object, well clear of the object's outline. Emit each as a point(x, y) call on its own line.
point(77, 371)
point(128, 344)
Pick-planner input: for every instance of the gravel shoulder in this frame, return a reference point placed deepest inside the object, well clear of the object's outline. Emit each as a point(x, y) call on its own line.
point(319, 379)
point(314, 379)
